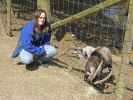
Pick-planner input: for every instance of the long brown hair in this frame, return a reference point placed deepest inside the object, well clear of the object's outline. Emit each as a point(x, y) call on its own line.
point(37, 15)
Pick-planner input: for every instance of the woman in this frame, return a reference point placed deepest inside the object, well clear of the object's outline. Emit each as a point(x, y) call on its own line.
point(34, 41)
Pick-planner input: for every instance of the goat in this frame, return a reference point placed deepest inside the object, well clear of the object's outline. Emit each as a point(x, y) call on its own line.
point(99, 58)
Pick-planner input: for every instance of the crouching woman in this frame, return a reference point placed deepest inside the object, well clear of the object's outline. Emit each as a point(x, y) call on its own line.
point(34, 41)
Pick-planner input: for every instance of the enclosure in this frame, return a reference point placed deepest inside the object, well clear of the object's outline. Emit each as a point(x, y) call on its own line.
point(75, 23)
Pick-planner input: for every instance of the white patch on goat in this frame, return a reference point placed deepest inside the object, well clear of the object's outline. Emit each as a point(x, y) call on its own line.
point(105, 53)
point(88, 50)
point(88, 73)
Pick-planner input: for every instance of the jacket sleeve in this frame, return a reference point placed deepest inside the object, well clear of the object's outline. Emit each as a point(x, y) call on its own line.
point(26, 40)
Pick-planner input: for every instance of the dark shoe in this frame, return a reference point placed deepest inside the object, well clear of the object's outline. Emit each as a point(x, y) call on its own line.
point(33, 66)
point(45, 64)
point(20, 63)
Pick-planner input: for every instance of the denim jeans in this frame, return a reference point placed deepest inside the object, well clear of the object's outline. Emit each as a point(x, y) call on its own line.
point(27, 57)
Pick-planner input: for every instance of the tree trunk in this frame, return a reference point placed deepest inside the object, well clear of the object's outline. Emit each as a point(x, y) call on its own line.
point(44, 4)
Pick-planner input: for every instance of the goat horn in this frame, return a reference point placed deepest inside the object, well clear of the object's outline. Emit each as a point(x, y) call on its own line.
point(97, 70)
point(103, 80)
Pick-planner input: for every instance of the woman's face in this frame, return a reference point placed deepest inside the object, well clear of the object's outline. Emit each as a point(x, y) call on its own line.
point(41, 19)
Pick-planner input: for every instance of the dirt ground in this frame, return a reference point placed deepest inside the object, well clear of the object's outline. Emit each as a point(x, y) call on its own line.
point(54, 81)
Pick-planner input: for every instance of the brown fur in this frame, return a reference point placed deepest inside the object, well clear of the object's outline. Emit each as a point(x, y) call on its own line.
point(101, 53)
point(92, 64)
point(105, 54)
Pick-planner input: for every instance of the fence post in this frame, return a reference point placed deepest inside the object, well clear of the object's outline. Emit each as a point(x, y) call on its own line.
point(127, 46)
point(8, 24)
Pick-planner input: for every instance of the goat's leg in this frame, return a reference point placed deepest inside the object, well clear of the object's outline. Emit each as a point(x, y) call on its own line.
point(92, 71)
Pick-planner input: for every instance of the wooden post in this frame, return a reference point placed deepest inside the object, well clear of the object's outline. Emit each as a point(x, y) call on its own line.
point(44, 4)
point(2, 26)
point(127, 46)
point(8, 24)
point(128, 39)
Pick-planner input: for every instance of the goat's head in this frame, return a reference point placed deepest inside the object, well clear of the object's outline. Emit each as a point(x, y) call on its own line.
point(84, 53)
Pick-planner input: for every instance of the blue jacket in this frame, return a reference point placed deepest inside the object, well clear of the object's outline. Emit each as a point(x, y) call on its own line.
point(30, 41)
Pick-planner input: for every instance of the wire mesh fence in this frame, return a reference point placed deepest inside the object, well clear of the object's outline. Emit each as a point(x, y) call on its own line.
point(23, 7)
point(105, 28)
point(14, 13)
point(21, 11)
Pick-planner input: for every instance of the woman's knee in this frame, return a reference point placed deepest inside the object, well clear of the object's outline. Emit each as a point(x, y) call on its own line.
point(50, 50)
point(26, 57)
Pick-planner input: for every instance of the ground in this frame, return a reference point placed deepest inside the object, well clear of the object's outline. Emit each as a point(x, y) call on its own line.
point(52, 82)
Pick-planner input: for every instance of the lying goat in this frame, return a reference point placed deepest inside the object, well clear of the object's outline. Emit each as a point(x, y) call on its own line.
point(97, 58)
